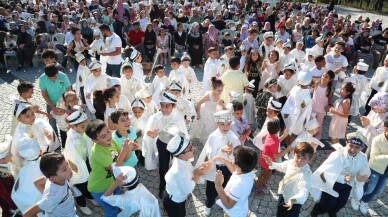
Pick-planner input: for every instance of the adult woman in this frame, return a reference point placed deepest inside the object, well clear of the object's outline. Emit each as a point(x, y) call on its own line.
point(26, 49)
point(210, 39)
point(204, 27)
point(194, 43)
point(86, 31)
point(118, 14)
point(266, 28)
point(252, 69)
point(363, 45)
point(85, 15)
point(78, 45)
point(180, 40)
point(149, 42)
point(143, 20)
point(127, 26)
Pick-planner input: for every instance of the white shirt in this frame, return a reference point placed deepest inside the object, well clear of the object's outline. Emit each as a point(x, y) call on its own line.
point(138, 71)
point(378, 79)
point(150, 109)
point(210, 70)
point(333, 63)
point(166, 124)
point(284, 60)
point(129, 87)
point(299, 55)
point(185, 108)
point(69, 38)
point(97, 46)
point(283, 37)
point(286, 85)
point(82, 75)
point(61, 121)
point(92, 84)
point(316, 50)
point(111, 43)
point(190, 74)
point(317, 73)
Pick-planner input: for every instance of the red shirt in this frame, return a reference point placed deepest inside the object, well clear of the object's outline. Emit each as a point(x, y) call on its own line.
point(135, 37)
point(270, 148)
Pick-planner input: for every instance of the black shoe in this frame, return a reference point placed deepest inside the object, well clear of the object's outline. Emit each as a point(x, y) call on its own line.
point(161, 192)
point(19, 68)
point(314, 213)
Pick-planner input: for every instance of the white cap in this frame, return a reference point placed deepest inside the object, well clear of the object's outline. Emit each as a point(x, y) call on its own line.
point(178, 144)
point(19, 107)
point(362, 66)
point(94, 65)
point(112, 81)
point(223, 116)
point(132, 177)
point(274, 105)
point(167, 97)
point(144, 92)
point(96, 32)
point(311, 124)
point(268, 35)
point(175, 85)
point(134, 55)
point(93, 21)
point(251, 85)
point(278, 40)
point(233, 95)
point(29, 148)
point(304, 78)
point(185, 57)
point(287, 44)
point(289, 66)
point(77, 117)
point(300, 41)
point(79, 57)
point(61, 104)
point(138, 103)
point(318, 39)
point(5, 146)
point(269, 82)
point(126, 63)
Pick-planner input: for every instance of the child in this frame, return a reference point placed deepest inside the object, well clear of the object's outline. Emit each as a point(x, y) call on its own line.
point(135, 196)
point(234, 197)
point(221, 142)
point(249, 43)
point(181, 177)
point(183, 106)
point(271, 87)
point(78, 153)
point(226, 41)
point(97, 46)
point(340, 111)
point(270, 149)
point(279, 46)
point(161, 127)
point(56, 199)
point(337, 62)
point(160, 82)
point(137, 67)
point(286, 82)
point(210, 69)
point(130, 84)
point(189, 71)
point(249, 104)
point(49, 57)
point(298, 53)
point(323, 98)
point(295, 187)
point(309, 62)
point(270, 68)
point(240, 125)
point(10, 45)
point(286, 57)
point(41, 43)
point(317, 49)
point(145, 95)
point(61, 120)
point(377, 82)
point(123, 100)
point(224, 60)
point(163, 45)
point(122, 123)
point(139, 122)
point(319, 68)
point(178, 75)
point(83, 73)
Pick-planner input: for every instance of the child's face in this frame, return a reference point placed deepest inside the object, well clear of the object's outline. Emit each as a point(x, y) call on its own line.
point(238, 114)
point(177, 93)
point(224, 126)
point(28, 94)
point(146, 99)
point(166, 108)
point(128, 73)
point(104, 137)
point(186, 64)
point(188, 153)
point(343, 92)
point(252, 36)
point(64, 172)
point(71, 101)
point(80, 128)
point(338, 49)
point(254, 56)
point(271, 113)
point(353, 149)
point(114, 99)
point(301, 160)
point(49, 61)
point(273, 88)
point(227, 37)
point(218, 90)
point(213, 55)
point(386, 62)
point(27, 118)
point(83, 62)
point(124, 123)
point(310, 58)
point(229, 53)
point(118, 90)
point(138, 59)
point(174, 66)
point(97, 72)
point(160, 73)
point(321, 64)
point(325, 78)
point(272, 56)
point(137, 112)
point(299, 46)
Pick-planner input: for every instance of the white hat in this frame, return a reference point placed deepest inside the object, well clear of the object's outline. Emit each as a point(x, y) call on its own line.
point(311, 124)
point(318, 39)
point(29, 149)
point(134, 55)
point(138, 103)
point(223, 116)
point(79, 57)
point(356, 138)
point(61, 104)
point(94, 65)
point(304, 78)
point(362, 66)
point(96, 32)
point(175, 85)
point(300, 41)
point(77, 117)
point(233, 95)
point(144, 92)
point(19, 107)
point(185, 57)
point(289, 66)
point(274, 105)
point(178, 144)
point(278, 40)
point(93, 21)
point(269, 82)
point(268, 35)
point(132, 179)
point(167, 97)
point(287, 44)
point(5, 146)
point(112, 81)
point(251, 85)
point(126, 63)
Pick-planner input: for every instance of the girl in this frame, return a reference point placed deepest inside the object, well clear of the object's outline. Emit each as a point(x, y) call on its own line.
point(105, 103)
point(322, 98)
point(279, 46)
point(138, 122)
point(162, 43)
point(340, 113)
point(270, 68)
point(252, 69)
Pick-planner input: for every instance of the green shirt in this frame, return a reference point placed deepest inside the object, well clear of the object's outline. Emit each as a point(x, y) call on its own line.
point(100, 179)
point(56, 88)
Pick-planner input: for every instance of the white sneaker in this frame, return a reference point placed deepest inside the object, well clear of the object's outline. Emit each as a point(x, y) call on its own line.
point(207, 211)
point(355, 204)
point(364, 208)
point(85, 210)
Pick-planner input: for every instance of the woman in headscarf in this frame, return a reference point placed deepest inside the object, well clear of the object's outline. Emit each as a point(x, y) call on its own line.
point(86, 31)
point(243, 34)
point(150, 43)
point(194, 43)
point(204, 27)
point(210, 39)
point(127, 26)
point(118, 15)
point(26, 49)
point(266, 28)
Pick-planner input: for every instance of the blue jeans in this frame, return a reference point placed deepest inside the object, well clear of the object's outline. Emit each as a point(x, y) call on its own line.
point(109, 211)
point(375, 186)
point(113, 70)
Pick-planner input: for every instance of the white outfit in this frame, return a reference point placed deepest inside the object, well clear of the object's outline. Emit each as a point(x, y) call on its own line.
point(305, 136)
point(139, 124)
point(249, 108)
point(150, 109)
point(360, 82)
point(83, 73)
point(224, 65)
point(286, 85)
point(14, 120)
point(299, 55)
point(61, 121)
point(316, 50)
point(334, 64)
point(129, 87)
point(285, 59)
point(317, 74)
point(264, 50)
point(379, 77)
point(138, 71)
point(111, 43)
point(375, 127)
point(123, 103)
point(159, 84)
point(210, 70)
point(190, 75)
point(179, 76)
point(185, 108)
point(97, 46)
point(92, 84)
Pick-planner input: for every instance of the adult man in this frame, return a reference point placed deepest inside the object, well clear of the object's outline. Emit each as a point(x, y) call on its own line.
point(112, 51)
point(136, 36)
point(282, 34)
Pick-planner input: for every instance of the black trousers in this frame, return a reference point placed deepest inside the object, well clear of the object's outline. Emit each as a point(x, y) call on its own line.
point(63, 137)
point(332, 204)
point(211, 193)
point(283, 212)
point(367, 107)
point(83, 188)
point(164, 162)
point(172, 208)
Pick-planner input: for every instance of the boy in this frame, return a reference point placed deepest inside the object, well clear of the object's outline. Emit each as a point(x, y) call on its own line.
point(249, 43)
point(95, 81)
point(145, 95)
point(240, 126)
point(226, 41)
point(129, 83)
point(224, 60)
point(181, 177)
point(183, 106)
point(61, 120)
point(298, 53)
point(270, 149)
point(234, 197)
point(286, 82)
point(285, 57)
point(337, 62)
point(319, 69)
point(135, 196)
point(317, 49)
point(83, 73)
point(234, 80)
point(295, 187)
point(137, 66)
point(249, 104)
point(49, 57)
point(189, 71)
point(271, 87)
point(359, 80)
point(266, 46)
point(56, 199)
point(97, 46)
point(138, 122)
point(178, 75)
point(160, 82)
point(210, 69)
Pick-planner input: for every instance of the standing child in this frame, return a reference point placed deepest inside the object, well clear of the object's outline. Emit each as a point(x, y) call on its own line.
point(249, 104)
point(163, 45)
point(160, 82)
point(270, 68)
point(49, 57)
point(123, 100)
point(139, 122)
point(41, 43)
point(337, 62)
point(97, 46)
point(210, 69)
point(61, 120)
point(340, 112)
point(249, 43)
point(286, 82)
point(7, 180)
point(183, 105)
point(240, 126)
point(317, 49)
point(271, 87)
point(178, 75)
point(145, 95)
point(319, 68)
point(323, 98)
point(189, 71)
point(377, 82)
point(83, 73)
point(129, 83)
point(137, 67)
point(298, 53)
point(226, 41)
point(286, 57)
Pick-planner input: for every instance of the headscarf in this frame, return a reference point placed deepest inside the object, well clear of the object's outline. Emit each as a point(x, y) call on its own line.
point(86, 30)
point(243, 35)
point(212, 32)
point(194, 32)
point(120, 10)
point(267, 26)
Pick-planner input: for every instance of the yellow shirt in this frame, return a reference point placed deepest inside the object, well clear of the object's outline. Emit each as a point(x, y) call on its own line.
point(234, 80)
point(379, 154)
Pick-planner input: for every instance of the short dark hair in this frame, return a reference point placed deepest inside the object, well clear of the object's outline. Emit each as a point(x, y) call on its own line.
point(74, 30)
point(50, 162)
point(104, 27)
point(49, 53)
point(115, 116)
point(94, 128)
point(304, 149)
point(157, 68)
point(252, 31)
point(24, 86)
point(237, 106)
point(50, 70)
point(245, 157)
point(341, 43)
point(329, 34)
point(234, 62)
point(175, 59)
point(319, 58)
point(273, 126)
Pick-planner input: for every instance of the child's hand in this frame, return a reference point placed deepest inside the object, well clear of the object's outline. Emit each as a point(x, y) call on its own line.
point(331, 110)
point(289, 203)
point(219, 158)
point(48, 135)
point(285, 132)
point(120, 178)
point(267, 160)
point(128, 145)
point(49, 116)
point(327, 108)
point(362, 178)
point(152, 133)
point(314, 145)
point(347, 178)
point(88, 96)
point(205, 168)
point(219, 178)
point(365, 121)
point(226, 149)
point(136, 145)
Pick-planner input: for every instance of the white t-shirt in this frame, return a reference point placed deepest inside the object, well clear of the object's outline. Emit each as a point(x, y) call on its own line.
point(111, 43)
point(333, 63)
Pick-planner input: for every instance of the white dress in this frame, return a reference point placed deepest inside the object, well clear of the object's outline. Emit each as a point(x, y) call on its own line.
point(268, 72)
point(179, 76)
point(210, 70)
point(249, 108)
point(138, 71)
point(359, 82)
point(129, 87)
point(92, 84)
